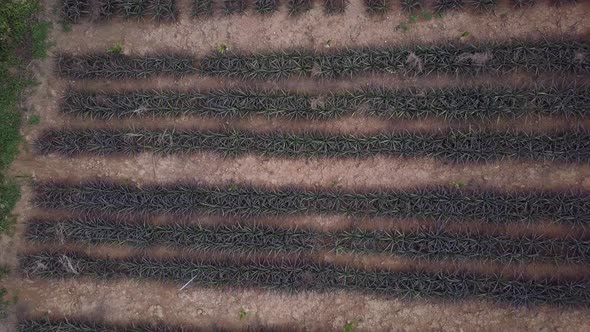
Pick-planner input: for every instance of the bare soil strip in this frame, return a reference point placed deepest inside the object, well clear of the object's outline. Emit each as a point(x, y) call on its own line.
point(385, 172)
point(103, 301)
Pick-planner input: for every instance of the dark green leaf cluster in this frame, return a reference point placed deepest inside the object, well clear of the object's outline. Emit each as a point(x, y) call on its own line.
point(438, 203)
point(332, 7)
point(234, 6)
point(377, 7)
point(74, 10)
point(202, 8)
point(303, 274)
point(108, 9)
point(444, 5)
point(432, 244)
point(119, 66)
point(159, 10)
point(469, 146)
point(450, 103)
point(563, 2)
point(454, 59)
point(523, 3)
point(275, 65)
point(266, 6)
point(484, 5)
point(410, 6)
point(297, 7)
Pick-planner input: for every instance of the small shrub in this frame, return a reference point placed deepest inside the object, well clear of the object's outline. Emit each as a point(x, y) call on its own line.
point(134, 8)
point(266, 6)
point(483, 5)
point(162, 10)
point(427, 16)
point(202, 8)
point(523, 3)
point(377, 6)
point(335, 6)
point(234, 6)
point(297, 7)
point(107, 8)
point(445, 5)
point(411, 5)
point(74, 10)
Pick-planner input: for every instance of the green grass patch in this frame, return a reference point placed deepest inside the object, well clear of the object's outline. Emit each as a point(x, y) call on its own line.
point(15, 18)
point(116, 49)
point(40, 32)
point(3, 304)
point(3, 271)
point(18, 29)
point(349, 326)
point(9, 195)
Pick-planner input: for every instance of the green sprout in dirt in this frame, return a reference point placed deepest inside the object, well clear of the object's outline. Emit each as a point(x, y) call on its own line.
point(66, 26)
point(222, 48)
point(403, 27)
point(458, 184)
point(427, 16)
point(35, 120)
point(3, 271)
point(116, 49)
point(243, 314)
point(349, 326)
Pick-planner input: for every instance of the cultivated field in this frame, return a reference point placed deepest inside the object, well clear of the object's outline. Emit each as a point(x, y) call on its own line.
point(306, 165)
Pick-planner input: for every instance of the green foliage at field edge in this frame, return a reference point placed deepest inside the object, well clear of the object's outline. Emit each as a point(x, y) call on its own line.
point(18, 29)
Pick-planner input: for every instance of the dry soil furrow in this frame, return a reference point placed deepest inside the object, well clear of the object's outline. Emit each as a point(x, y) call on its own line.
point(129, 300)
point(338, 173)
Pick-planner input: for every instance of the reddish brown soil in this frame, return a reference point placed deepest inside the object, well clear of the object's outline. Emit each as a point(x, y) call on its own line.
point(124, 301)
